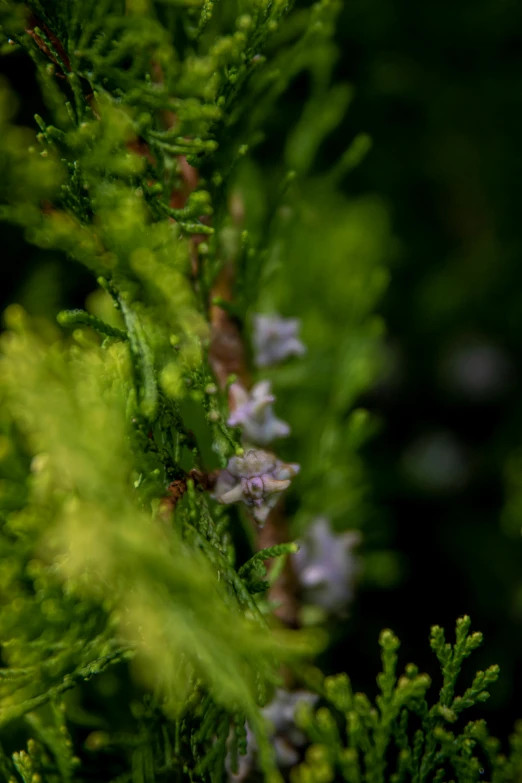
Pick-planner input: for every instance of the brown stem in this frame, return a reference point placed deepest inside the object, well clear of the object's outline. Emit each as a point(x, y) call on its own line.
point(226, 354)
point(285, 591)
point(30, 30)
point(176, 490)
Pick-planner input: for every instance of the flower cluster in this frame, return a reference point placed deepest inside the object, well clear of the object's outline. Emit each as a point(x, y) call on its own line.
point(326, 567)
point(252, 411)
point(256, 479)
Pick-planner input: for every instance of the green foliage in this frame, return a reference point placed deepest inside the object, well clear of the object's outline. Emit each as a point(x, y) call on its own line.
point(401, 737)
point(142, 170)
point(132, 584)
point(118, 569)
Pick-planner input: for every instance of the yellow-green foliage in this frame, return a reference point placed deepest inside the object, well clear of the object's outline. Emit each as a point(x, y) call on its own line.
point(153, 588)
point(98, 572)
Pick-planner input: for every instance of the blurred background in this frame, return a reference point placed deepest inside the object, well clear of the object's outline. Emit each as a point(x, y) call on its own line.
point(438, 87)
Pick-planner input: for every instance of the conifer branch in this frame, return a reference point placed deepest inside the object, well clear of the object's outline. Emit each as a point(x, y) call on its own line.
point(73, 317)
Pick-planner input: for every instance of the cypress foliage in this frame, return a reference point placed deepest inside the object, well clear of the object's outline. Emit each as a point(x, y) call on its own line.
point(138, 640)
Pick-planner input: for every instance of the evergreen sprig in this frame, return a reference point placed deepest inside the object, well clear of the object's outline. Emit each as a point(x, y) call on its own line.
point(133, 647)
point(400, 737)
point(100, 573)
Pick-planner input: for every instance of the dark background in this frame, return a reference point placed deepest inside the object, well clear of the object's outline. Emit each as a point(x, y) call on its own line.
point(439, 89)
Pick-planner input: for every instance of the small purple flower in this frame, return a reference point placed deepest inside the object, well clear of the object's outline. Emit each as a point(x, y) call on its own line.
point(275, 339)
point(256, 479)
point(326, 566)
point(252, 411)
point(286, 737)
point(280, 713)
